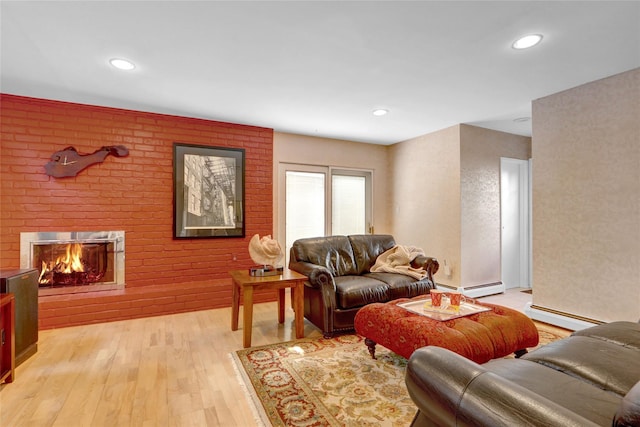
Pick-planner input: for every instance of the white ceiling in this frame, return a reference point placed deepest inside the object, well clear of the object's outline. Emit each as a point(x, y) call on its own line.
point(317, 68)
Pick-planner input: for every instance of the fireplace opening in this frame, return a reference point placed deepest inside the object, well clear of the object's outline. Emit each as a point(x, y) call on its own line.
point(71, 262)
point(74, 264)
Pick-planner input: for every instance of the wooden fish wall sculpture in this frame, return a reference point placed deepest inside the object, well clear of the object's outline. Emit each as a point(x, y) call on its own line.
point(69, 162)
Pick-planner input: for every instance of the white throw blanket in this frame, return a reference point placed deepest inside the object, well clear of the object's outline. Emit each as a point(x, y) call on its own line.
point(398, 260)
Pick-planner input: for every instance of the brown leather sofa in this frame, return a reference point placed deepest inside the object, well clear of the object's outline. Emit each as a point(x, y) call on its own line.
point(340, 282)
point(591, 378)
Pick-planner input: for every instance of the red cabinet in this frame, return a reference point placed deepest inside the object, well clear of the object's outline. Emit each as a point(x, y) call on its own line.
point(23, 284)
point(7, 338)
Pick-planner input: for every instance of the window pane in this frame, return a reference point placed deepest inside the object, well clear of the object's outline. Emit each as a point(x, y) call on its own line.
point(304, 205)
point(348, 205)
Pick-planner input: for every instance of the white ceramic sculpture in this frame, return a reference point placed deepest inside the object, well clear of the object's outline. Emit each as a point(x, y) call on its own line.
point(265, 251)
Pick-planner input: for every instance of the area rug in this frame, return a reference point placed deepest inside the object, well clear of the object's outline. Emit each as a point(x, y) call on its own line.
point(330, 382)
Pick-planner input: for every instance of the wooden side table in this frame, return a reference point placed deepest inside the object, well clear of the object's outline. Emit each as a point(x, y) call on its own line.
point(288, 279)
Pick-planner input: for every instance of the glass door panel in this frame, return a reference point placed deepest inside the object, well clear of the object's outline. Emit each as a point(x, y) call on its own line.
point(304, 206)
point(348, 205)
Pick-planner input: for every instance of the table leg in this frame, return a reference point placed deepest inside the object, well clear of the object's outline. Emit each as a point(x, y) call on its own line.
point(281, 305)
point(235, 304)
point(247, 315)
point(297, 296)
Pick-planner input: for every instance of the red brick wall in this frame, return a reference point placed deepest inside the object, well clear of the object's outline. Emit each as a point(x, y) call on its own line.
point(134, 194)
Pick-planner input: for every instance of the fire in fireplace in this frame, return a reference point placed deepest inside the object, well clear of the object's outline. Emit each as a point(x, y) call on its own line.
point(73, 264)
point(75, 259)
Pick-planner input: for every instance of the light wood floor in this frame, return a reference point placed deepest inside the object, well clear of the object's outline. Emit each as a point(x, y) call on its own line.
point(160, 371)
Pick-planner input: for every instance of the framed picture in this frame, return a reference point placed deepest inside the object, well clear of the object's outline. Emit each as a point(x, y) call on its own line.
point(208, 191)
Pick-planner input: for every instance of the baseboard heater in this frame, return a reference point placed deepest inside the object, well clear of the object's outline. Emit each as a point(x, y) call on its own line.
point(476, 291)
point(559, 318)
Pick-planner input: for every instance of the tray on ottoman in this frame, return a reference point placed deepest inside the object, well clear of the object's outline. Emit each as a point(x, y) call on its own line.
point(423, 307)
point(481, 336)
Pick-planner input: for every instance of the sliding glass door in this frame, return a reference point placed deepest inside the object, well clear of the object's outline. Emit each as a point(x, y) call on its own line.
point(321, 201)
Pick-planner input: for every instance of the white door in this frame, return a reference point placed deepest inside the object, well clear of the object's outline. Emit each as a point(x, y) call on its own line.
point(515, 217)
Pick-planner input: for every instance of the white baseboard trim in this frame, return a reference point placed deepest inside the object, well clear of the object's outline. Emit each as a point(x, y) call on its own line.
point(475, 291)
point(557, 319)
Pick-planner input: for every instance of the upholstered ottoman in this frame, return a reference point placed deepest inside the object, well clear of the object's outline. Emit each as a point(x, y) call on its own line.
point(479, 337)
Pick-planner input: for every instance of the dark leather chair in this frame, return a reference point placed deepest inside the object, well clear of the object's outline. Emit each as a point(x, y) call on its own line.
point(591, 378)
point(340, 281)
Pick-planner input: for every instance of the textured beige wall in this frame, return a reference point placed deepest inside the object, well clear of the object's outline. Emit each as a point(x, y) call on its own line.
point(480, 153)
point(586, 200)
point(426, 196)
point(309, 150)
point(446, 198)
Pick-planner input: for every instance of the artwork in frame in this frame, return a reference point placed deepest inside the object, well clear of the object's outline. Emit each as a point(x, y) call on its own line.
point(208, 191)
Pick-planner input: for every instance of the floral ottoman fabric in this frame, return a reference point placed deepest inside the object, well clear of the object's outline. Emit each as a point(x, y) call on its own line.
point(479, 337)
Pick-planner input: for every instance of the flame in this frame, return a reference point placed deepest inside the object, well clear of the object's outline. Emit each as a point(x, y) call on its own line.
point(44, 270)
point(69, 262)
point(72, 260)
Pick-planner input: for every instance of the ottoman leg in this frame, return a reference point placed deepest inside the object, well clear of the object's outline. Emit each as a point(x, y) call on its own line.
point(371, 345)
point(520, 353)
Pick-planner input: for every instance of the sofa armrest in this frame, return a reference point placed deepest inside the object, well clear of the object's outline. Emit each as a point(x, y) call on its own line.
point(319, 277)
point(430, 264)
point(628, 414)
point(451, 390)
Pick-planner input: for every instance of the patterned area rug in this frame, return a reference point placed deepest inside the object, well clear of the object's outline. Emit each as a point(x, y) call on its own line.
point(331, 382)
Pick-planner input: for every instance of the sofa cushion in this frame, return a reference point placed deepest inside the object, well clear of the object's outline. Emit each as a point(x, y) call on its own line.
point(402, 286)
point(606, 365)
point(367, 248)
point(622, 333)
point(575, 394)
point(332, 252)
point(356, 291)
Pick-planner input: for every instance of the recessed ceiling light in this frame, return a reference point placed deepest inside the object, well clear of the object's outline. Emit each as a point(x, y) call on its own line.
point(522, 119)
point(122, 64)
point(527, 41)
point(380, 112)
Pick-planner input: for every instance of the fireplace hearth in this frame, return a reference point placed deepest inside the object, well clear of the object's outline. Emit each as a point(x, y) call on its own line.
point(71, 262)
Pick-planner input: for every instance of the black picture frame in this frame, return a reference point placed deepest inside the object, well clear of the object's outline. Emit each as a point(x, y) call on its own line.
point(208, 193)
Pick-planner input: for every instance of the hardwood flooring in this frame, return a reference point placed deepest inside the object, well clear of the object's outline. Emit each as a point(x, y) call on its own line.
point(160, 371)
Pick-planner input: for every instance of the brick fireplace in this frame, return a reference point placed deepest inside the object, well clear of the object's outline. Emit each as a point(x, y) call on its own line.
point(133, 194)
